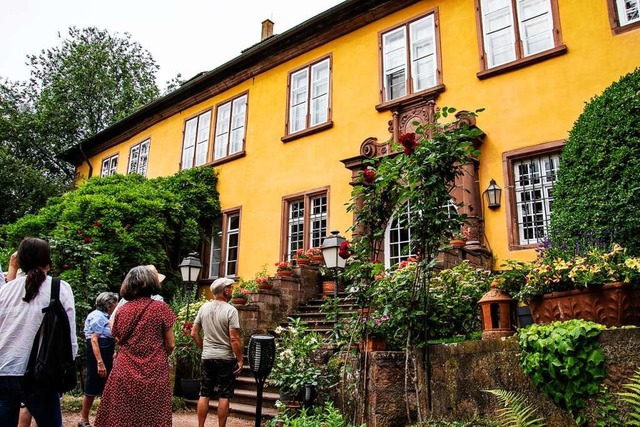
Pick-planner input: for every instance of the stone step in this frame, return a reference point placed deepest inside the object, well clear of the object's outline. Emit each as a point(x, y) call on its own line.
point(241, 409)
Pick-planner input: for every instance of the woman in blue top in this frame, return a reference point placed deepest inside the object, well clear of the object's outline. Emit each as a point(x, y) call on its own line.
point(100, 348)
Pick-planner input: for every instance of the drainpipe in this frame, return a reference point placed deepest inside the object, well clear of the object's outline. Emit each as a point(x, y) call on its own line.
point(86, 159)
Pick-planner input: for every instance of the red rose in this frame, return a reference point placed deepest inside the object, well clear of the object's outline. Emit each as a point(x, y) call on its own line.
point(87, 239)
point(408, 141)
point(66, 266)
point(80, 232)
point(369, 175)
point(97, 223)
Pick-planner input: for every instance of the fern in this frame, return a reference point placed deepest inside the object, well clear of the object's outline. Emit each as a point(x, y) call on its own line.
point(516, 412)
point(632, 397)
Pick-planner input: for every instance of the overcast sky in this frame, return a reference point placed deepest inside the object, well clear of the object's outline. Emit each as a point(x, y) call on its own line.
point(183, 36)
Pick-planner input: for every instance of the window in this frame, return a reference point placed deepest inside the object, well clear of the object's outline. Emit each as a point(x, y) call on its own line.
point(215, 255)
point(138, 158)
point(410, 58)
point(232, 243)
point(196, 140)
point(306, 222)
point(309, 100)
point(532, 173)
point(109, 166)
point(513, 30)
point(231, 120)
point(624, 15)
point(397, 236)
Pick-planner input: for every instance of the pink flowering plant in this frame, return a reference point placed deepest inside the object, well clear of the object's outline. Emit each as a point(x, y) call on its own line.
point(301, 254)
point(283, 265)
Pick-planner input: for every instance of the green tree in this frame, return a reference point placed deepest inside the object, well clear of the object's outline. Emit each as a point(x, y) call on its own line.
point(109, 225)
point(77, 89)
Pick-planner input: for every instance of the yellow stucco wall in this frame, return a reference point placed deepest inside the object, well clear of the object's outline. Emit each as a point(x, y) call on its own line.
point(525, 107)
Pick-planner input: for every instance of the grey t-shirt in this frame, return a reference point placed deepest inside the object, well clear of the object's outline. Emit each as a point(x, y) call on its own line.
point(215, 318)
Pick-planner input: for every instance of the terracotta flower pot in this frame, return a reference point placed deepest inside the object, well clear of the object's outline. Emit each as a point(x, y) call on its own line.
point(613, 304)
point(317, 259)
point(328, 287)
point(284, 273)
point(303, 261)
point(239, 301)
point(373, 343)
point(457, 243)
point(265, 286)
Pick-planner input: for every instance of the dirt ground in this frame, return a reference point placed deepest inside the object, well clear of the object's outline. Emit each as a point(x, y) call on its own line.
point(186, 418)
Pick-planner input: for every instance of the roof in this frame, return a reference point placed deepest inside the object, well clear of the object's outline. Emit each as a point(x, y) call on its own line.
point(321, 29)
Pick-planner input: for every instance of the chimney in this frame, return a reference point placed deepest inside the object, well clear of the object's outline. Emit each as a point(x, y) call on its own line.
point(267, 29)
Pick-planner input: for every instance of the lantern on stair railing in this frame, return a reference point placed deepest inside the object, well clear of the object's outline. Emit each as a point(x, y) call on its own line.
point(262, 354)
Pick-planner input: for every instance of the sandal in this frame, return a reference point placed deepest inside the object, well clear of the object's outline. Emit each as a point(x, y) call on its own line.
point(83, 424)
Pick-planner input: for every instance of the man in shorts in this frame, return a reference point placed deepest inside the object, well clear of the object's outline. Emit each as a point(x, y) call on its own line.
point(221, 348)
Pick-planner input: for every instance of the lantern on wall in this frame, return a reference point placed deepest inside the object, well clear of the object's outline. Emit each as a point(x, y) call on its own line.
point(497, 313)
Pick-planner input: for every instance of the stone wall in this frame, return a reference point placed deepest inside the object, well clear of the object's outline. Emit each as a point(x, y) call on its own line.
point(460, 373)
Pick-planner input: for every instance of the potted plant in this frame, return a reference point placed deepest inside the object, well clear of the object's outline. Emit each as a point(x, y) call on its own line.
point(302, 258)
point(264, 282)
point(460, 238)
point(591, 284)
point(316, 255)
point(284, 268)
point(240, 295)
point(294, 365)
point(186, 356)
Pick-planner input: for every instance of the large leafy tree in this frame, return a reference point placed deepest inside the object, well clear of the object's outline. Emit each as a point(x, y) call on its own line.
point(88, 82)
point(109, 225)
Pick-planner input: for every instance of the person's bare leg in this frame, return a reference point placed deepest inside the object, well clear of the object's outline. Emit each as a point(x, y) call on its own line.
point(87, 401)
point(223, 412)
point(203, 410)
point(25, 418)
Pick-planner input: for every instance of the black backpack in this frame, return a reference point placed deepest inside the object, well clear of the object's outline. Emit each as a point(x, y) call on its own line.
point(51, 366)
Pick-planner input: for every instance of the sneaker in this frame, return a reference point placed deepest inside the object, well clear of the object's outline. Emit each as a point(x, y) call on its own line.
point(83, 424)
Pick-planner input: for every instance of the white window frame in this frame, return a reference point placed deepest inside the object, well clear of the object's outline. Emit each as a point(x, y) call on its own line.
point(195, 141)
point(232, 243)
point(306, 221)
point(215, 250)
point(408, 45)
point(139, 158)
point(397, 237)
point(109, 166)
point(309, 96)
point(231, 121)
point(628, 11)
point(534, 178)
point(515, 29)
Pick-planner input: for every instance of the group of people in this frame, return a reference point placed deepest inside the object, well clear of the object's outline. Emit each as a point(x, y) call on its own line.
point(129, 340)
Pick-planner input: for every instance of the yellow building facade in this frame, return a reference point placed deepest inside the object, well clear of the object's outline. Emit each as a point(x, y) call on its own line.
point(280, 122)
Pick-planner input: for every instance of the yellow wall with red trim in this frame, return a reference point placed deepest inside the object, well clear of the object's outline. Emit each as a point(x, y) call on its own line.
point(529, 106)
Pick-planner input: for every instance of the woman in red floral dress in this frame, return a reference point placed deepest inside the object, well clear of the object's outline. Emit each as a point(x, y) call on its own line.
point(137, 392)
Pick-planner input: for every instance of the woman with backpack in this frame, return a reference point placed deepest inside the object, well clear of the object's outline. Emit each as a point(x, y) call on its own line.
point(21, 304)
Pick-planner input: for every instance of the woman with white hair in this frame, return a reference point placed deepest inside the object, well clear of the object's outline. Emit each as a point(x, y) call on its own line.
point(100, 348)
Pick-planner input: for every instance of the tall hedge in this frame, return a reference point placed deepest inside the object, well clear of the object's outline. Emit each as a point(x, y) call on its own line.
point(598, 189)
point(109, 225)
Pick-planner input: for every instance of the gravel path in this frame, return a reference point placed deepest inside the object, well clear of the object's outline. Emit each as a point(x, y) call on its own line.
point(185, 418)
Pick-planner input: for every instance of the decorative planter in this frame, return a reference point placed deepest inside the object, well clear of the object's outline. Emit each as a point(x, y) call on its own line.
point(265, 286)
point(613, 304)
point(303, 261)
point(284, 273)
point(372, 343)
point(239, 301)
point(190, 388)
point(328, 287)
point(457, 243)
point(317, 259)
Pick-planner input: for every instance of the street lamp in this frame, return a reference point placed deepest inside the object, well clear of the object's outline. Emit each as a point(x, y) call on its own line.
point(190, 268)
point(331, 253)
point(493, 193)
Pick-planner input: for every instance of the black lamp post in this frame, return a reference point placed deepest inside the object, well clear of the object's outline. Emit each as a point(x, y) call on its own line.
point(190, 268)
point(331, 254)
point(493, 193)
point(262, 353)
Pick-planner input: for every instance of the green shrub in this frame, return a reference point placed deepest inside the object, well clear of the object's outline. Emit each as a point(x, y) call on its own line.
point(597, 187)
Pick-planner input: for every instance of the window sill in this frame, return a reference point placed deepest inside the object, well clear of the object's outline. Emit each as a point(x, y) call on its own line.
point(426, 95)
point(625, 28)
point(227, 159)
point(524, 62)
point(307, 132)
point(518, 247)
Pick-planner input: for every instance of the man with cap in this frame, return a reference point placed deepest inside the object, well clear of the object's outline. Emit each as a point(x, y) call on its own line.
point(221, 349)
